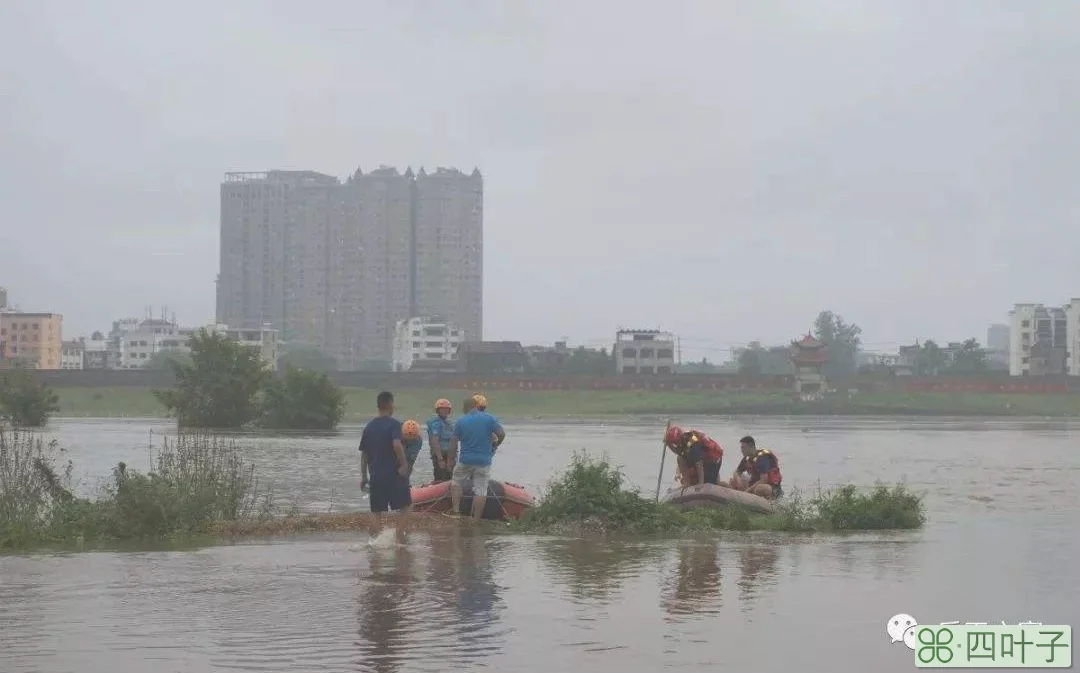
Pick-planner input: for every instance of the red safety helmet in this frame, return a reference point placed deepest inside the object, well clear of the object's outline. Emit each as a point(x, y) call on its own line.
point(673, 436)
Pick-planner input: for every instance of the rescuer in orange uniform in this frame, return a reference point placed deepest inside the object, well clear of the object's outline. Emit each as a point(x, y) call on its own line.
point(699, 455)
point(758, 472)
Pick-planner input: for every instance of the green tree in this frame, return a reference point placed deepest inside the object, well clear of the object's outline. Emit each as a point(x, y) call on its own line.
point(588, 362)
point(842, 340)
point(930, 360)
point(220, 387)
point(163, 359)
point(307, 357)
point(703, 367)
point(970, 358)
point(748, 362)
point(25, 401)
point(301, 400)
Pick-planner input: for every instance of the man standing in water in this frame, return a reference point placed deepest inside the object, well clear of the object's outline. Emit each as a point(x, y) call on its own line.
point(382, 454)
point(440, 431)
point(476, 436)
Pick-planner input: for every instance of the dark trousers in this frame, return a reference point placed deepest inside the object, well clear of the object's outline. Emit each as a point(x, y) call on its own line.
point(440, 474)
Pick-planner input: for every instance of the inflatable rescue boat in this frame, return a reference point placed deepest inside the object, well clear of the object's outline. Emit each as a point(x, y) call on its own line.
point(504, 500)
point(711, 495)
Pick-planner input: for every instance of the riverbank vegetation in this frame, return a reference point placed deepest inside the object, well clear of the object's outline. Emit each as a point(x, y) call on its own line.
point(195, 480)
point(358, 405)
point(198, 484)
point(590, 497)
point(227, 385)
point(25, 401)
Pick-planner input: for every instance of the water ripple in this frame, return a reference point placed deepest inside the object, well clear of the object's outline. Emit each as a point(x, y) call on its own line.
point(459, 600)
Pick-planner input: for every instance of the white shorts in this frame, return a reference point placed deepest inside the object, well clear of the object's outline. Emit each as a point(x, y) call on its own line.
point(476, 475)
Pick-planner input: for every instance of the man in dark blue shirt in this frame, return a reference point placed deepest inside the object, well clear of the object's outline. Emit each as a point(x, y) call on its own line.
point(382, 454)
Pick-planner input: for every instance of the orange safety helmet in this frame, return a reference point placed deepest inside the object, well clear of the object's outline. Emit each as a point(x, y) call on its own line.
point(443, 403)
point(673, 436)
point(410, 430)
point(480, 400)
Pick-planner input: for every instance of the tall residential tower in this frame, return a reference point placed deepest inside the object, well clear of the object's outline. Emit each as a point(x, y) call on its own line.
point(336, 264)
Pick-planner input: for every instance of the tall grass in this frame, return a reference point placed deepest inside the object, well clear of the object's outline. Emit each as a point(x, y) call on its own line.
point(29, 484)
point(195, 480)
point(590, 497)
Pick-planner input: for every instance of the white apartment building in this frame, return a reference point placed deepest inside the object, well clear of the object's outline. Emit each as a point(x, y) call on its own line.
point(425, 341)
point(1035, 326)
point(72, 355)
point(264, 338)
point(644, 352)
point(132, 343)
point(1072, 335)
point(95, 352)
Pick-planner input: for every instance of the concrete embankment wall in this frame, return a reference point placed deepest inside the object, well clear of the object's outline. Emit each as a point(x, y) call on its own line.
point(118, 378)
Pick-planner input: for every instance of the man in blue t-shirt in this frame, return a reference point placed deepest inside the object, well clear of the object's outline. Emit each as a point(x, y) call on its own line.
point(440, 431)
point(382, 454)
point(476, 436)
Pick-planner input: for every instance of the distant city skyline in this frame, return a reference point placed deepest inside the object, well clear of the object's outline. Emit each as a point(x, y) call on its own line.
point(720, 170)
point(337, 264)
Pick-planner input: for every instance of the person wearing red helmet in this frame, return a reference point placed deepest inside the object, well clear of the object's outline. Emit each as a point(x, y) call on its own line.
point(699, 455)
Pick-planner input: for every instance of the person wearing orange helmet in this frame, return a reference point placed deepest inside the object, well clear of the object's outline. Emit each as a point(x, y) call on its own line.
point(699, 455)
point(440, 430)
point(476, 436)
point(413, 440)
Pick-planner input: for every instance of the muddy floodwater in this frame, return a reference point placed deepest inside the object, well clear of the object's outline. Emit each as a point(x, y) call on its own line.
point(1002, 544)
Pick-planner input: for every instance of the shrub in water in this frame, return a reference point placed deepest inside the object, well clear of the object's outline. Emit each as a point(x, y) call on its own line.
point(29, 485)
point(884, 508)
point(590, 493)
point(198, 479)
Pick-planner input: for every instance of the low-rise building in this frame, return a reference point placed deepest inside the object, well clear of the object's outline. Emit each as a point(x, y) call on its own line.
point(264, 338)
point(493, 358)
point(1072, 335)
point(95, 352)
point(32, 340)
point(644, 352)
point(133, 343)
point(72, 355)
point(429, 343)
point(1031, 324)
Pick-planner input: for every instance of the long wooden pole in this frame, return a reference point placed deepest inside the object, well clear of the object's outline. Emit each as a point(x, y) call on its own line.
point(663, 456)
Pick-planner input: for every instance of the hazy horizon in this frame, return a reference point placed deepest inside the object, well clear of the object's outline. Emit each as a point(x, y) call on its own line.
point(721, 170)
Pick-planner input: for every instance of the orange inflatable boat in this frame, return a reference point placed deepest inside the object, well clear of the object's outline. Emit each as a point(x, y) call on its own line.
point(504, 500)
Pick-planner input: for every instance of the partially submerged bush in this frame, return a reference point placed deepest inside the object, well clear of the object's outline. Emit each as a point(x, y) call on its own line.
point(884, 508)
point(29, 484)
point(198, 479)
point(589, 496)
point(25, 401)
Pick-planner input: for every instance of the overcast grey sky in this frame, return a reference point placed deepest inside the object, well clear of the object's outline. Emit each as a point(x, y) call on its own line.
point(721, 169)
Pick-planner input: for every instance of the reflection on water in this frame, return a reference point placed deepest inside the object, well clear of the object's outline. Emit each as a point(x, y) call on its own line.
point(465, 600)
point(386, 597)
point(448, 613)
point(757, 570)
point(695, 585)
point(596, 572)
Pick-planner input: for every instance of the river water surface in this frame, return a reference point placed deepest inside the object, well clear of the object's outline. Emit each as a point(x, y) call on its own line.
point(1001, 544)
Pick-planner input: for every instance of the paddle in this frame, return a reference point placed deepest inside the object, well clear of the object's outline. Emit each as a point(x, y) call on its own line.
point(663, 456)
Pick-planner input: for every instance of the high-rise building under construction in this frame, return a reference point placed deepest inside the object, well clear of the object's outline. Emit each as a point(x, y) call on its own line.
point(335, 264)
